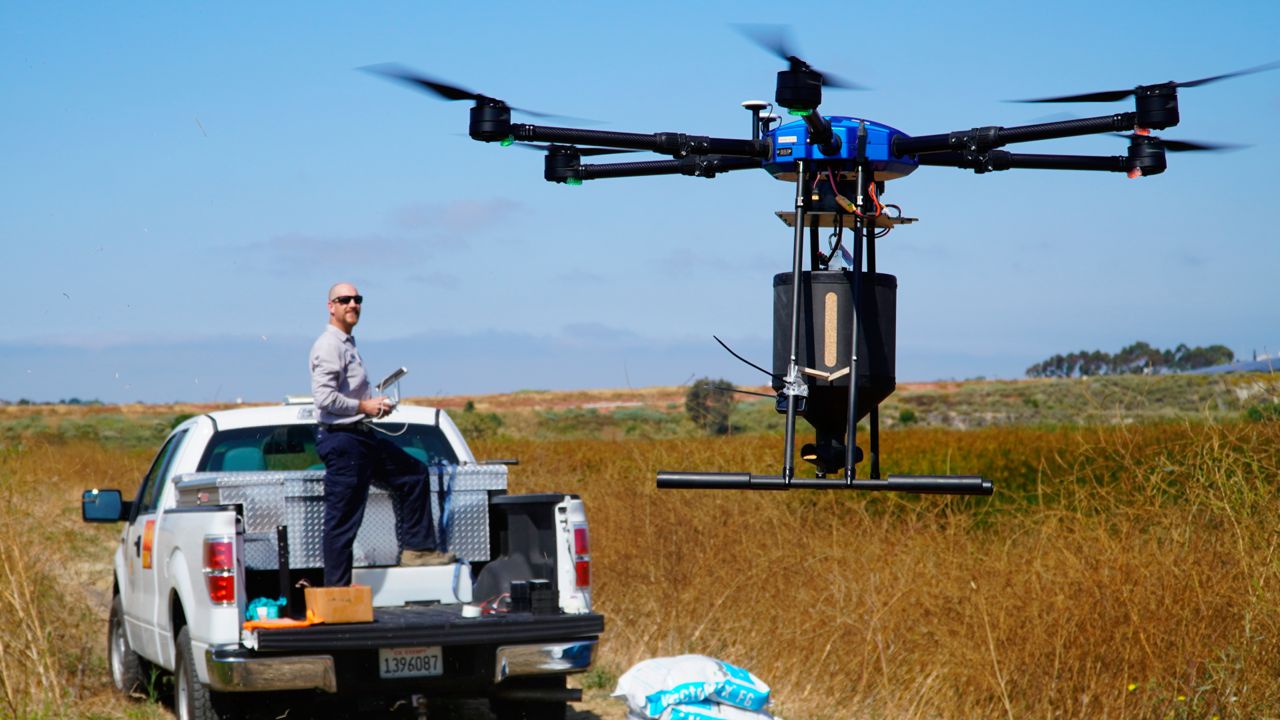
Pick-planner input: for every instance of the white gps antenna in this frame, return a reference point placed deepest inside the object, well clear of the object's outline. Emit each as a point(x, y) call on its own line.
point(756, 108)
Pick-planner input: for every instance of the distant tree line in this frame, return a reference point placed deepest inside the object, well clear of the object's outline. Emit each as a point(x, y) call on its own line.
point(1135, 359)
point(64, 401)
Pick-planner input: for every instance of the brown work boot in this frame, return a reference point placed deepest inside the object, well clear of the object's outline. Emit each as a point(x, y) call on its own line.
point(425, 558)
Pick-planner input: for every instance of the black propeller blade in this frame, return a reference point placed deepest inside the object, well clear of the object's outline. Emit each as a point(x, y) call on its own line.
point(1184, 145)
point(775, 39)
point(1113, 95)
point(444, 90)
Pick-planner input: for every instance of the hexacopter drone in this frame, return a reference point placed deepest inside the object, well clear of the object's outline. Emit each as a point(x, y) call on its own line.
point(834, 331)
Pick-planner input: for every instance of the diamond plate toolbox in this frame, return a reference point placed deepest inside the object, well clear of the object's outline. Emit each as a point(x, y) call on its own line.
point(459, 511)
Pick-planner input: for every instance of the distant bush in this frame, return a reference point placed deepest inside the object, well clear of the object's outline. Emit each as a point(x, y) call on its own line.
point(907, 416)
point(1263, 412)
point(477, 425)
point(26, 426)
point(708, 404)
point(755, 416)
point(575, 422)
point(642, 422)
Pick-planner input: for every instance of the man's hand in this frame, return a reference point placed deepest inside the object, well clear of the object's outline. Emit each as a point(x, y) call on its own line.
point(376, 407)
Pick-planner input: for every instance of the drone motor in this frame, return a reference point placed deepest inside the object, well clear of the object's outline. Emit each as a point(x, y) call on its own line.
point(490, 121)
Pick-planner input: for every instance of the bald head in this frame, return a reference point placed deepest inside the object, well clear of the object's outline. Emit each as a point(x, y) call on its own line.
point(342, 288)
point(345, 305)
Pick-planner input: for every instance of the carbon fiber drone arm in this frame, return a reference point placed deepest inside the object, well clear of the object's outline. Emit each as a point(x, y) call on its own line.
point(665, 143)
point(1001, 160)
point(695, 165)
point(988, 138)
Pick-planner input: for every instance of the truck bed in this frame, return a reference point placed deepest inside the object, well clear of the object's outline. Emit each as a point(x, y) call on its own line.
point(430, 625)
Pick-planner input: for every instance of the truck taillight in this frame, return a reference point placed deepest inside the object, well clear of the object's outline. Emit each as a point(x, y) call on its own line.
point(581, 557)
point(220, 569)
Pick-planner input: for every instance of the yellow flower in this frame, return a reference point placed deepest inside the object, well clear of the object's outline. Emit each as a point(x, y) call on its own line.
point(1133, 686)
point(1182, 698)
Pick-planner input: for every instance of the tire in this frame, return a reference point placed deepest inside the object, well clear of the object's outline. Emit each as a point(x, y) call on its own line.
point(128, 669)
point(192, 699)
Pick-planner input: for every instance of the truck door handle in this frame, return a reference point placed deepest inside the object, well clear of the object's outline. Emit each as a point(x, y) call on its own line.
point(137, 546)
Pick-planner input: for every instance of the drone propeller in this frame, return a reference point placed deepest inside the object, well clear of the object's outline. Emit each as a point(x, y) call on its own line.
point(775, 39)
point(1113, 95)
point(1182, 145)
point(445, 90)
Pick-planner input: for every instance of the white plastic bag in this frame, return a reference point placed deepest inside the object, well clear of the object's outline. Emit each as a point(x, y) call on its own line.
point(652, 686)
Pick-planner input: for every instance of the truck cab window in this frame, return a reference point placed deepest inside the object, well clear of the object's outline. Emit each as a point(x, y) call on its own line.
point(293, 447)
point(149, 492)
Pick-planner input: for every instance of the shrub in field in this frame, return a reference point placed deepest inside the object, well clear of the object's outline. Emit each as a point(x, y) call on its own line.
point(588, 422)
point(641, 422)
point(708, 403)
point(475, 424)
point(1263, 412)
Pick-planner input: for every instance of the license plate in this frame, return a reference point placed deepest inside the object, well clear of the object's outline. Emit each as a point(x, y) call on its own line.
point(409, 662)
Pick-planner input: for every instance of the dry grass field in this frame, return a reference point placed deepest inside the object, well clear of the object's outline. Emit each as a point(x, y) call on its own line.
point(1129, 572)
point(1125, 571)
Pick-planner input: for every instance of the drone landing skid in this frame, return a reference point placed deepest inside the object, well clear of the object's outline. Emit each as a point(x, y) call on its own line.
point(926, 484)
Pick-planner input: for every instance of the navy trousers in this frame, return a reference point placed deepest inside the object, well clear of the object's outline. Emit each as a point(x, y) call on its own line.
point(353, 461)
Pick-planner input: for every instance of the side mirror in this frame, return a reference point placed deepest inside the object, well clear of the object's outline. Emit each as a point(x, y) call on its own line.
point(104, 506)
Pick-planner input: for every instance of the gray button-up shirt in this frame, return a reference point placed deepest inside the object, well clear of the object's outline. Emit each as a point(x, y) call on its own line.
point(338, 379)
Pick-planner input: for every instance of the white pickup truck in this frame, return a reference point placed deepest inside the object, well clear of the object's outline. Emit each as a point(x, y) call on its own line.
point(229, 519)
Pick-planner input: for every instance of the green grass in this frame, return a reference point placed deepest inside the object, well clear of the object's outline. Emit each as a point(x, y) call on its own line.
point(111, 429)
point(1115, 400)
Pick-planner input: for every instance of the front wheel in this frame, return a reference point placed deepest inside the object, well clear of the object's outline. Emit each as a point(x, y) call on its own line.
point(128, 669)
point(192, 699)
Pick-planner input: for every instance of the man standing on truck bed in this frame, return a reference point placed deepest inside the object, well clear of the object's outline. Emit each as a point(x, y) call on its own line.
point(355, 454)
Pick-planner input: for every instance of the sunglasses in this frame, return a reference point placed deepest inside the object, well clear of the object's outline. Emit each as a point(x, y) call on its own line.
point(345, 299)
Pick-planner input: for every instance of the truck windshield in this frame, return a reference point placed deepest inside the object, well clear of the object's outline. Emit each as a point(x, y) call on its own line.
point(293, 447)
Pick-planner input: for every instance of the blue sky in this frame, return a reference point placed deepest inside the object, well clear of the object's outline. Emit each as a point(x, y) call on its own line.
point(182, 182)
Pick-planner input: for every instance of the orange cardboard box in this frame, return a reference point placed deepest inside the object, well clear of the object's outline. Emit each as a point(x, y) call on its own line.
point(341, 604)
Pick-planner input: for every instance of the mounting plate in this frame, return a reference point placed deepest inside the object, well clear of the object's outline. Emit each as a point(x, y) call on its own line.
point(827, 219)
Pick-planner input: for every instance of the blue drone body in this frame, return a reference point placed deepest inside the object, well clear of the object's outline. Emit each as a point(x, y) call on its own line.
point(791, 142)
